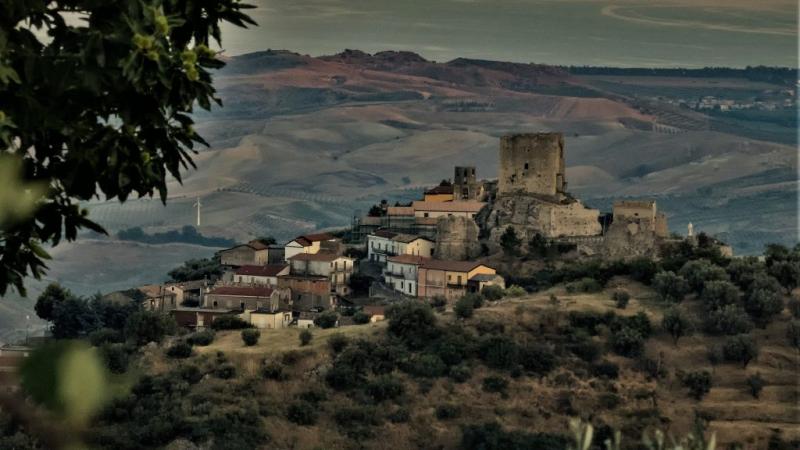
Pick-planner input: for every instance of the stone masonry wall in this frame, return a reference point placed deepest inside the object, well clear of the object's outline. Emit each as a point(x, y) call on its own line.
point(457, 238)
point(532, 163)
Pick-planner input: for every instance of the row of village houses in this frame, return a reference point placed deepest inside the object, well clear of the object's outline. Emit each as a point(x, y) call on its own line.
point(313, 275)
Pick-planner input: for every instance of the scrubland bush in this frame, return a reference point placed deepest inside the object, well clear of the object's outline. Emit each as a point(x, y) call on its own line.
point(621, 298)
point(250, 336)
point(605, 369)
point(495, 384)
point(460, 373)
point(302, 413)
point(584, 285)
point(179, 350)
point(728, 320)
point(273, 370)
point(116, 357)
point(670, 286)
point(439, 303)
point(105, 336)
point(464, 308)
point(698, 383)
point(627, 341)
point(741, 348)
point(385, 387)
point(361, 318)
point(225, 371)
point(719, 293)
point(327, 319)
point(755, 384)
point(337, 342)
point(201, 338)
point(229, 323)
point(493, 292)
point(305, 337)
point(515, 291)
point(447, 411)
point(676, 323)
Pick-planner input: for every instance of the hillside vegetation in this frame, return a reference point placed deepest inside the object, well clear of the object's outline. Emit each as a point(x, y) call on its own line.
point(694, 343)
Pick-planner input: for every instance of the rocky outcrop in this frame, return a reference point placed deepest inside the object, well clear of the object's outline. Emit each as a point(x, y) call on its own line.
point(457, 239)
point(530, 215)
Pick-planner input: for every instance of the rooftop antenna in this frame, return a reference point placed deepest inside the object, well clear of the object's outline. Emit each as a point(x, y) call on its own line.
point(197, 205)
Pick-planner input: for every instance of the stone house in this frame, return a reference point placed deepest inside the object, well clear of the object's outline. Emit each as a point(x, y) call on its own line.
point(441, 193)
point(337, 268)
point(199, 318)
point(308, 291)
point(253, 253)
point(309, 243)
point(246, 297)
point(401, 273)
point(448, 278)
point(158, 298)
point(263, 275)
point(188, 292)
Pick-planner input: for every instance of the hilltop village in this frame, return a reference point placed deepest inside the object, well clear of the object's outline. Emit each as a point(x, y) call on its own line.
point(441, 247)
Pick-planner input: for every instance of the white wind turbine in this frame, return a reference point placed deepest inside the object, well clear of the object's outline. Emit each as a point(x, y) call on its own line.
point(197, 205)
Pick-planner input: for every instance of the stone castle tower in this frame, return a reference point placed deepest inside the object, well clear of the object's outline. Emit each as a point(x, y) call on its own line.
point(465, 184)
point(533, 163)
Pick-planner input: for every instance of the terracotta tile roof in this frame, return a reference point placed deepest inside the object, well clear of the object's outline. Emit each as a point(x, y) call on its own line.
point(406, 238)
point(319, 237)
point(304, 277)
point(441, 189)
point(467, 206)
point(321, 256)
point(384, 234)
point(243, 291)
point(408, 259)
point(257, 245)
point(452, 266)
point(400, 211)
point(270, 270)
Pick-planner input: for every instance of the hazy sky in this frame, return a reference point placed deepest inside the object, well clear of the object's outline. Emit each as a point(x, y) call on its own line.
point(689, 33)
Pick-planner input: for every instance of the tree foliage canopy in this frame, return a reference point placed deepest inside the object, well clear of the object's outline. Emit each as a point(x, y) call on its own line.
point(95, 99)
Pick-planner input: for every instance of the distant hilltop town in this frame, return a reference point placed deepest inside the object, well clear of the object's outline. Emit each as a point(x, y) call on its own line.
point(441, 247)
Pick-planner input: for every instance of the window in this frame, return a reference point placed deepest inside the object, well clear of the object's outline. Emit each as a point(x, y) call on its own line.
point(526, 166)
point(459, 279)
point(426, 215)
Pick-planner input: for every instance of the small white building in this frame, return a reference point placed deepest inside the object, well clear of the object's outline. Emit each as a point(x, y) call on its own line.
point(401, 273)
point(268, 319)
point(383, 244)
point(447, 209)
point(309, 243)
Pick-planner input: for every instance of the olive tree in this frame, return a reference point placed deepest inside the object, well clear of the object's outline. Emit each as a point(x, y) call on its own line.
point(99, 107)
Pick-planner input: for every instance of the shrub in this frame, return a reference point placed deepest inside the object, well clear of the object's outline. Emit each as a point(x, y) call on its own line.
point(201, 338)
point(116, 357)
point(676, 324)
point(499, 352)
point(670, 287)
point(273, 370)
point(385, 387)
point(143, 327)
point(439, 302)
point(229, 323)
point(460, 373)
point(413, 322)
point(699, 272)
point(400, 415)
point(337, 342)
point(729, 320)
point(190, 373)
point(621, 298)
point(493, 292)
point(510, 242)
point(495, 384)
point(425, 365)
point(763, 304)
point(302, 413)
point(608, 400)
point(105, 336)
point(755, 384)
point(605, 369)
point(361, 318)
point(515, 291)
point(794, 306)
point(793, 333)
point(698, 383)
point(464, 307)
point(180, 350)
point(490, 436)
point(225, 371)
point(627, 341)
point(585, 284)
point(313, 395)
point(642, 269)
point(787, 273)
point(305, 337)
point(250, 336)
point(587, 350)
point(715, 355)
point(327, 319)
point(476, 299)
point(741, 349)
point(447, 411)
point(717, 293)
point(536, 358)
